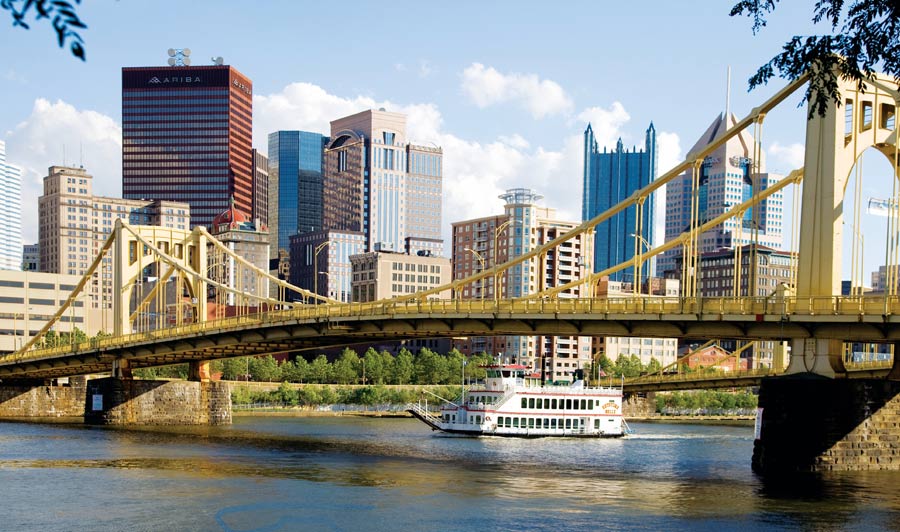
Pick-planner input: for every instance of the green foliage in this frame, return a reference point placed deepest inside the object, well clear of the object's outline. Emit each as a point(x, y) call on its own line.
point(347, 368)
point(430, 368)
point(627, 366)
point(234, 368)
point(64, 20)
point(704, 401)
point(404, 368)
point(653, 366)
point(373, 367)
point(858, 39)
point(296, 371)
point(320, 370)
point(265, 369)
point(287, 395)
point(174, 371)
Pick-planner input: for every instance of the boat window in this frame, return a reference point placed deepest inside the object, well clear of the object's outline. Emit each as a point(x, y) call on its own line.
point(553, 422)
point(596, 424)
point(568, 404)
point(531, 402)
point(524, 402)
point(531, 422)
point(590, 404)
point(506, 374)
point(598, 402)
point(516, 422)
point(500, 421)
point(583, 404)
point(540, 403)
point(568, 423)
point(547, 404)
point(553, 404)
point(546, 423)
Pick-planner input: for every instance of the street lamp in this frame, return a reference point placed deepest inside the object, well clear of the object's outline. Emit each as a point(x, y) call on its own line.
point(319, 248)
point(857, 266)
point(481, 260)
point(640, 242)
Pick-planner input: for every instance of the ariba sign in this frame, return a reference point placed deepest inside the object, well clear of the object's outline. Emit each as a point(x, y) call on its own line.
point(247, 89)
point(168, 80)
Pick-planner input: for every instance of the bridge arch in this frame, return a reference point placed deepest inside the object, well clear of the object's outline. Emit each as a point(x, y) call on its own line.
point(865, 119)
point(834, 143)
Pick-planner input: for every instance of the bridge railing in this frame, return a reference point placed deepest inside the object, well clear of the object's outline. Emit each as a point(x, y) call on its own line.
point(634, 307)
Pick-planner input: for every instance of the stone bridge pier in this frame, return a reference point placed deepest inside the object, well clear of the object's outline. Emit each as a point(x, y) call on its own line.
point(122, 400)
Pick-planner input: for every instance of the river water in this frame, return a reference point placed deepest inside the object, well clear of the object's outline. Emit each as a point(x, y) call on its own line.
point(348, 473)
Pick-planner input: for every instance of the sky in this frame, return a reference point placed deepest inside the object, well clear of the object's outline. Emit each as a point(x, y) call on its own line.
point(505, 88)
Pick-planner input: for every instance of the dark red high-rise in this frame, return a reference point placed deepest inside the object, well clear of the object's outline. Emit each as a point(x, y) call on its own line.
point(187, 136)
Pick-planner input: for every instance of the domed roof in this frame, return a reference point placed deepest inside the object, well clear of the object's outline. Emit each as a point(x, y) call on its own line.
point(230, 217)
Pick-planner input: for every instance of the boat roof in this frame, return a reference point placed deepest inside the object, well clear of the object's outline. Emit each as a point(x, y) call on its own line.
point(505, 366)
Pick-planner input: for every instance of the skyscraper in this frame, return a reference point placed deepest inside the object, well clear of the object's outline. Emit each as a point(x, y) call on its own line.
point(186, 136)
point(260, 188)
point(378, 183)
point(610, 177)
point(727, 178)
point(10, 213)
point(521, 228)
point(295, 173)
point(73, 224)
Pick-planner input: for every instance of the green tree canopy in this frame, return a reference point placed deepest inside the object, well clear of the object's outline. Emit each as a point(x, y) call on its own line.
point(861, 36)
point(265, 369)
point(320, 370)
point(345, 369)
point(404, 368)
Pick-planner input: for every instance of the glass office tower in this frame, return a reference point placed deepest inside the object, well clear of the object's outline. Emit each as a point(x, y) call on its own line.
point(10, 213)
point(186, 136)
point(295, 170)
point(610, 177)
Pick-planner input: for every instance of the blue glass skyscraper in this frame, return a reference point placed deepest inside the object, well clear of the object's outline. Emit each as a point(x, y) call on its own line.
point(295, 177)
point(610, 177)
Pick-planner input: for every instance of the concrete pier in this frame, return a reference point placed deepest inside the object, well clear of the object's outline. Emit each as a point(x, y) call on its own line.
point(812, 423)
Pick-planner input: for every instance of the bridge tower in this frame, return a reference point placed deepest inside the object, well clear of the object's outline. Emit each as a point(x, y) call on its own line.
point(834, 142)
point(811, 421)
point(164, 253)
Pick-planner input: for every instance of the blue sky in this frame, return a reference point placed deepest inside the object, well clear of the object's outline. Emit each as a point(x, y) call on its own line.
point(504, 87)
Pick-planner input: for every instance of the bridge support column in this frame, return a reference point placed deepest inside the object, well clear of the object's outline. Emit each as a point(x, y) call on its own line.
point(823, 357)
point(117, 401)
point(812, 423)
point(121, 369)
point(198, 371)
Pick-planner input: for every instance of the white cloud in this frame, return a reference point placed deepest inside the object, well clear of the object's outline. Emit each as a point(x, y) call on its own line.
point(783, 159)
point(39, 141)
point(486, 86)
point(425, 69)
point(669, 149)
point(606, 123)
point(475, 172)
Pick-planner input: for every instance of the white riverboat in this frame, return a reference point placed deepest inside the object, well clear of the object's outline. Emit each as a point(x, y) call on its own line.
point(514, 402)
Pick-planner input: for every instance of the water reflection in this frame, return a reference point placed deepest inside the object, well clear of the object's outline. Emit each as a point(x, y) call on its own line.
point(345, 473)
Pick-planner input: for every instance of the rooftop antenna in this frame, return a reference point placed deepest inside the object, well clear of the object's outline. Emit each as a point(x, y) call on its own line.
point(727, 97)
point(218, 61)
point(81, 154)
point(179, 57)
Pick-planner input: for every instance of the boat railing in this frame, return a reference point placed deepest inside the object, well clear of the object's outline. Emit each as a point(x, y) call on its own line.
point(424, 414)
